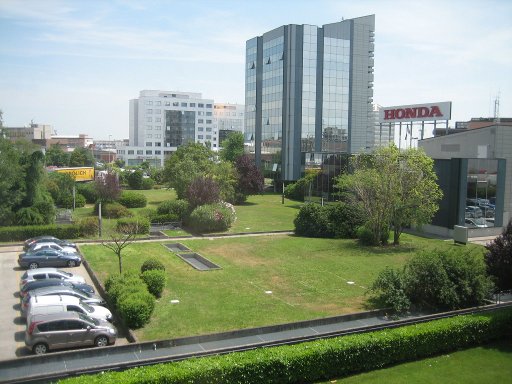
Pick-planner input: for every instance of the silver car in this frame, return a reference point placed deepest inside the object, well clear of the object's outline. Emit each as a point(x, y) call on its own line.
point(49, 273)
point(67, 330)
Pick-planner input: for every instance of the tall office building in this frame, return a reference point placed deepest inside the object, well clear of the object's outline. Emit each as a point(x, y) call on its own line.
point(161, 121)
point(308, 93)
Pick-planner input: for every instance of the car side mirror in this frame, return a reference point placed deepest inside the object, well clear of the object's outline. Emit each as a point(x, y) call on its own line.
point(88, 327)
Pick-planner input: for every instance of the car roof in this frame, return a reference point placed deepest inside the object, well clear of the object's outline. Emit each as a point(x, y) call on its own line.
point(55, 316)
point(54, 299)
point(31, 272)
point(56, 288)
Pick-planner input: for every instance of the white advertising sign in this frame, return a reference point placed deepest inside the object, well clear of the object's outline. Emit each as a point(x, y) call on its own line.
point(416, 112)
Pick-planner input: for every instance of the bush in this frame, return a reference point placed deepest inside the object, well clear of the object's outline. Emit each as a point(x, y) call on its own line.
point(152, 264)
point(46, 208)
point(88, 191)
point(147, 213)
point(66, 201)
point(211, 218)
point(389, 290)
point(133, 199)
point(312, 221)
point(344, 219)
point(178, 208)
point(499, 259)
point(136, 225)
point(366, 236)
point(297, 190)
point(136, 308)
point(322, 360)
point(134, 179)
point(29, 216)
point(112, 210)
point(88, 226)
point(147, 183)
point(155, 280)
point(166, 218)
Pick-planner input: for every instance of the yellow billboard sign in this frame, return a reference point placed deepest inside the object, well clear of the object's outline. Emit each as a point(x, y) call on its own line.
point(79, 173)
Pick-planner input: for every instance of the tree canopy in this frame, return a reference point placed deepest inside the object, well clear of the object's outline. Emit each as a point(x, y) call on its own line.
point(232, 146)
point(395, 188)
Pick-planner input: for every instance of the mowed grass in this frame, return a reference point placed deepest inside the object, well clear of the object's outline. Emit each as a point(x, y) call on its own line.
point(490, 363)
point(309, 278)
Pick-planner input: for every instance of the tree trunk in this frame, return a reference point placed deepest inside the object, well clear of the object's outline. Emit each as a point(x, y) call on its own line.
point(120, 263)
point(396, 236)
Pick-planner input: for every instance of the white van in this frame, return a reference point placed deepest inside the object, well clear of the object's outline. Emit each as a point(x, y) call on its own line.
point(45, 305)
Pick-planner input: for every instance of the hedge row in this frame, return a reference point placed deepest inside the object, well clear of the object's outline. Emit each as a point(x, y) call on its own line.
point(323, 359)
point(26, 232)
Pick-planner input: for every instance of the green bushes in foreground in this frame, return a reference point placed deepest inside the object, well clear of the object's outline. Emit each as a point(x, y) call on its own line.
point(25, 232)
point(323, 359)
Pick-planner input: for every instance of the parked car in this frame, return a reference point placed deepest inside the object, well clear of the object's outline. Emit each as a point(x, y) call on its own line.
point(44, 305)
point(49, 273)
point(472, 211)
point(30, 286)
point(48, 258)
point(47, 239)
point(88, 298)
point(56, 246)
point(67, 330)
point(476, 223)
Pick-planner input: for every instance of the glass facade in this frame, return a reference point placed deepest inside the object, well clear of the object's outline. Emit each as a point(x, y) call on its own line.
point(480, 209)
point(336, 77)
point(309, 68)
point(272, 98)
point(180, 127)
point(250, 92)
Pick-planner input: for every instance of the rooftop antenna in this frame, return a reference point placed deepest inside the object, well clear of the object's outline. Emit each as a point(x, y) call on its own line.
point(497, 109)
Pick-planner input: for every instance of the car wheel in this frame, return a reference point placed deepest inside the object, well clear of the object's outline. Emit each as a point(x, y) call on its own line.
point(101, 341)
point(71, 263)
point(40, 348)
point(33, 265)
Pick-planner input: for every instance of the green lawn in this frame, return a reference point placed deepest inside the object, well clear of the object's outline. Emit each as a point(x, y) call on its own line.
point(486, 364)
point(308, 279)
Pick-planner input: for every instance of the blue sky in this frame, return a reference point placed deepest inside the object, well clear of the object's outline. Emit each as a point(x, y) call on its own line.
point(75, 64)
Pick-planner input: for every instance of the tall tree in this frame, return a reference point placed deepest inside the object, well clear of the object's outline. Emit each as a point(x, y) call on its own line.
point(187, 163)
point(107, 187)
point(34, 177)
point(250, 180)
point(11, 181)
point(395, 189)
point(56, 156)
point(81, 157)
point(232, 147)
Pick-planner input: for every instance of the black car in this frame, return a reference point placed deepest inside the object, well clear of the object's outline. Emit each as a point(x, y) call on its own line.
point(46, 239)
point(48, 257)
point(52, 283)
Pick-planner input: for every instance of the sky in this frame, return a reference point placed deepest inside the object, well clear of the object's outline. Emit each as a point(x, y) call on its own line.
point(76, 64)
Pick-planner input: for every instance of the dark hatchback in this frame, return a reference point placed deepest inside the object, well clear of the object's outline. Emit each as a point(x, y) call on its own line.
point(48, 258)
point(52, 283)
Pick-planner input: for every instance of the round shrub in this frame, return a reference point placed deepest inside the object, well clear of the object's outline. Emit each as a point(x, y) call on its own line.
point(88, 226)
point(365, 236)
point(210, 218)
point(66, 201)
point(133, 199)
point(112, 210)
point(152, 264)
point(117, 286)
point(155, 280)
point(178, 208)
point(136, 308)
point(138, 225)
point(147, 183)
point(147, 213)
point(312, 221)
point(344, 219)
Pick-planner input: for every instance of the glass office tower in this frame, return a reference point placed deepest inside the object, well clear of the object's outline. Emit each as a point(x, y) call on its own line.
point(308, 91)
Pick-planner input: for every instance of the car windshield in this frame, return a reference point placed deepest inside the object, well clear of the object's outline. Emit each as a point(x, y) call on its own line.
point(87, 307)
point(67, 274)
point(89, 320)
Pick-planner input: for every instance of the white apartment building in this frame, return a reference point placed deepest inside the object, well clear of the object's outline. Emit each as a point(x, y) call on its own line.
point(161, 121)
point(228, 118)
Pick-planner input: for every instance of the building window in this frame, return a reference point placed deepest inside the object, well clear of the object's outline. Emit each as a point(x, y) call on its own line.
point(208, 105)
point(149, 119)
point(208, 129)
point(200, 129)
point(130, 151)
point(158, 103)
point(149, 102)
point(149, 144)
point(167, 103)
point(200, 105)
point(175, 104)
point(200, 113)
point(208, 113)
point(192, 105)
point(158, 152)
point(183, 104)
point(158, 119)
point(208, 137)
point(200, 137)
point(140, 152)
point(158, 144)
point(208, 121)
point(149, 127)
point(200, 121)
point(149, 111)
point(149, 152)
point(158, 111)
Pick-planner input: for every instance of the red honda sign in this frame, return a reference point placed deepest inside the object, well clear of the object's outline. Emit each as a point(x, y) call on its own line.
point(417, 112)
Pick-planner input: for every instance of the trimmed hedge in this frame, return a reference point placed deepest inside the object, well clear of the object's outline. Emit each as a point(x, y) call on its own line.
point(112, 210)
point(211, 218)
point(132, 199)
point(323, 359)
point(155, 280)
point(151, 264)
point(22, 233)
point(138, 225)
point(174, 208)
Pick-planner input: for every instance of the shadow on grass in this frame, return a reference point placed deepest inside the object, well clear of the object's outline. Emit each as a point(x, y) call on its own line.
point(378, 250)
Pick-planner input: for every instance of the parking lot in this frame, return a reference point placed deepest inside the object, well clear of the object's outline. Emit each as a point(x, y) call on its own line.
point(12, 331)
